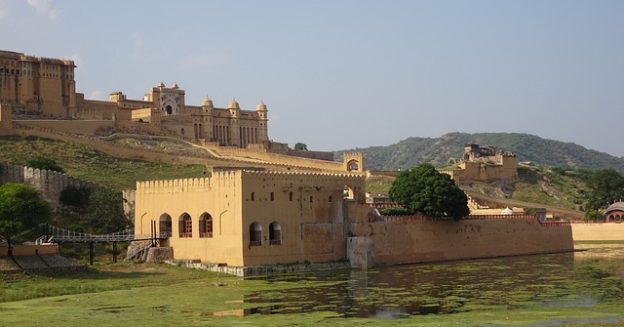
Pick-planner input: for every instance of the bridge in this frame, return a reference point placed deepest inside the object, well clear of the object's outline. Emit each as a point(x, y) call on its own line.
point(54, 234)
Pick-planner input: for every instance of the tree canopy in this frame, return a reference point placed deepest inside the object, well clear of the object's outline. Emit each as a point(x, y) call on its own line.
point(301, 147)
point(605, 186)
point(425, 190)
point(21, 209)
point(105, 212)
point(77, 197)
point(40, 162)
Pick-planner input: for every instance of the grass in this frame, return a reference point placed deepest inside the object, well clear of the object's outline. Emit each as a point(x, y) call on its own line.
point(378, 184)
point(90, 165)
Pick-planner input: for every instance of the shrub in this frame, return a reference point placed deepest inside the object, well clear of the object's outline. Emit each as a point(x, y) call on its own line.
point(40, 162)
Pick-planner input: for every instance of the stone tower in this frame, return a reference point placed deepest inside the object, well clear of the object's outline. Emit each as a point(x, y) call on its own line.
point(353, 162)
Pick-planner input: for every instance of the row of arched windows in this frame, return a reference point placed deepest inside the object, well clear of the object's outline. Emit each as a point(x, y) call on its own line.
point(185, 225)
point(255, 234)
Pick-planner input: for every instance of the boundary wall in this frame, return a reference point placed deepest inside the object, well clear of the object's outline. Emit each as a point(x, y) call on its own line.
point(598, 231)
point(406, 239)
point(85, 127)
point(276, 158)
point(20, 250)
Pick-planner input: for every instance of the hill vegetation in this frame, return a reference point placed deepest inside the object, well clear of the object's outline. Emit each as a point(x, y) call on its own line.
point(90, 165)
point(561, 188)
point(543, 152)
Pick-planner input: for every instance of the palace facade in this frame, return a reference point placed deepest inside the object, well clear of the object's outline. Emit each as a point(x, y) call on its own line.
point(45, 88)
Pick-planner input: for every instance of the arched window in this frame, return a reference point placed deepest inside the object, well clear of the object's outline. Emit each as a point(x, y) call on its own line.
point(164, 225)
point(186, 225)
point(353, 165)
point(255, 234)
point(253, 196)
point(272, 196)
point(290, 196)
point(275, 233)
point(348, 193)
point(311, 198)
point(205, 225)
point(169, 110)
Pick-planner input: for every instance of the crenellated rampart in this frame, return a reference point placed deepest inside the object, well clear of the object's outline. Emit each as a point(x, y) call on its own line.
point(226, 178)
point(49, 183)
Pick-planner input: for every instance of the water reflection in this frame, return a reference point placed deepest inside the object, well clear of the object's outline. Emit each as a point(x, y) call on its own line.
point(557, 280)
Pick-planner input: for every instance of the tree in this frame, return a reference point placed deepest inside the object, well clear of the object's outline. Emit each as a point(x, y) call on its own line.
point(76, 197)
point(425, 190)
point(44, 163)
point(605, 186)
point(301, 147)
point(21, 209)
point(105, 212)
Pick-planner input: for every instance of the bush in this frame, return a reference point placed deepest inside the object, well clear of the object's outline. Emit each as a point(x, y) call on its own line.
point(44, 163)
point(105, 212)
point(77, 197)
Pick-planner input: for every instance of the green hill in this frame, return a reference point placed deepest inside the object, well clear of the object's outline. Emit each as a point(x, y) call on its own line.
point(91, 165)
point(544, 152)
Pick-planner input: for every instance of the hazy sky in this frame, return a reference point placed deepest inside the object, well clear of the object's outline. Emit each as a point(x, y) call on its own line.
point(342, 74)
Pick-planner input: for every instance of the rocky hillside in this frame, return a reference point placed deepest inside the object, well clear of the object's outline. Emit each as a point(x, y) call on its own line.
point(414, 150)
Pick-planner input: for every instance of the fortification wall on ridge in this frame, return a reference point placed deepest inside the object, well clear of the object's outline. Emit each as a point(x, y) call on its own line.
point(276, 158)
point(49, 183)
point(85, 127)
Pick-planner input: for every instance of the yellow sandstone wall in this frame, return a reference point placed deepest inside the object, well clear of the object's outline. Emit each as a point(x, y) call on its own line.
point(422, 241)
point(25, 250)
point(312, 226)
point(598, 231)
point(85, 127)
point(276, 158)
point(218, 195)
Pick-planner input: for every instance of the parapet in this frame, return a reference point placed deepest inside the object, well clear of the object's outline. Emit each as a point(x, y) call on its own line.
point(222, 178)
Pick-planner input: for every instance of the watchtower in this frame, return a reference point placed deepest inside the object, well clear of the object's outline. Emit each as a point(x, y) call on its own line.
point(353, 162)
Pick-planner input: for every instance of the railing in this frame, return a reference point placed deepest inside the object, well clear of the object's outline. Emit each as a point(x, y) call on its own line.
point(186, 234)
point(255, 243)
point(205, 235)
point(61, 235)
point(275, 242)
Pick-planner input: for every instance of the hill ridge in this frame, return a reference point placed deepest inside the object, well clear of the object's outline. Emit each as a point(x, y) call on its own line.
point(437, 150)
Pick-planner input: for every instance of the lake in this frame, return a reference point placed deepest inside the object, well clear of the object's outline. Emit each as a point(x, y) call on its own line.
point(584, 287)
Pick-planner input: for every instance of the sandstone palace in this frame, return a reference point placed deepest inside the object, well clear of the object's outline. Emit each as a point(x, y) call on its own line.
point(264, 207)
point(46, 88)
